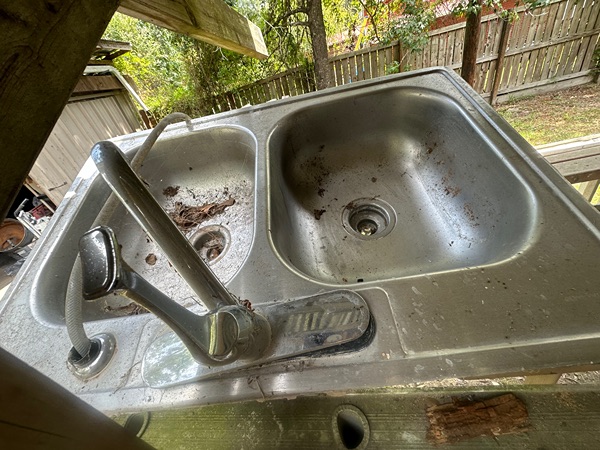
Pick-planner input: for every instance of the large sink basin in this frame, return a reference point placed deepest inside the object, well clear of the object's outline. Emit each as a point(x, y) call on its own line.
point(474, 256)
point(409, 164)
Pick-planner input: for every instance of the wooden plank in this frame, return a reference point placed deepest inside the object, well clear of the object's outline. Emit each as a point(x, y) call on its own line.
point(548, 52)
point(589, 189)
point(374, 67)
point(459, 40)
point(578, 25)
point(435, 50)
point(381, 62)
point(500, 67)
point(360, 74)
point(588, 58)
point(97, 83)
point(442, 49)
point(45, 50)
point(545, 86)
point(352, 68)
point(207, 20)
point(562, 68)
point(367, 66)
point(40, 414)
point(481, 70)
point(338, 73)
point(542, 54)
point(577, 161)
point(534, 60)
point(589, 15)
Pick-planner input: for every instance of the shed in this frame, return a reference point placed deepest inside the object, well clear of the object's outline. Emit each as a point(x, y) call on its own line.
point(101, 107)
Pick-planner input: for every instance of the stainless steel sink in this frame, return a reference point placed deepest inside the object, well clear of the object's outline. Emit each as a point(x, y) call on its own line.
point(397, 183)
point(474, 256)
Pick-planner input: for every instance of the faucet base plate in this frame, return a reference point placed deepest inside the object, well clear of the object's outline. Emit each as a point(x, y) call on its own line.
point(299, 326)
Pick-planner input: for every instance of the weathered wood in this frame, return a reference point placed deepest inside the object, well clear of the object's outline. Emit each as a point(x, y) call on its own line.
point(589, 189)
point(207, 20)
point(460, 420)
point(98, 83)
point(560, 416)
point(33, 86)
point(37, 413)
point(578, 160)
point(500, 61)
point(583, 165)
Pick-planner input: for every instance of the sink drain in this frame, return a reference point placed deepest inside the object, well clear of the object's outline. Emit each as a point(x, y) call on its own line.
point(368, 218)
point(211, 242)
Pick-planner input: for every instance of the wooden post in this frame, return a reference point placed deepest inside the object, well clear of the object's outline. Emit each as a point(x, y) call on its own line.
point(37, 413)
point(500, 61)
point(45, 47)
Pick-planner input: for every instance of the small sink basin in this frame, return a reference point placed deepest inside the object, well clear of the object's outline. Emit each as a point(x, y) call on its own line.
point(209, 166)
point(392, 184)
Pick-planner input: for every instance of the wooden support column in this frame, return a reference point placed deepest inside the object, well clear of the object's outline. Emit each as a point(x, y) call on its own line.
point(37, 413)
point(500, 61)
point(44, 48)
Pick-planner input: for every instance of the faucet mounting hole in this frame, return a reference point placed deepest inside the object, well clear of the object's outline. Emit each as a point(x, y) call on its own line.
point(350, 427)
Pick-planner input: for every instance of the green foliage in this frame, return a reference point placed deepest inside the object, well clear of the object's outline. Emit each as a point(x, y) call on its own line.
point(411, 28)
point(379, 22)
point(466, 7)
point(174, 72)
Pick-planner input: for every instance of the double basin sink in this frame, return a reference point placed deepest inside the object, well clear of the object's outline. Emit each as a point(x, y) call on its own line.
point(474, 256)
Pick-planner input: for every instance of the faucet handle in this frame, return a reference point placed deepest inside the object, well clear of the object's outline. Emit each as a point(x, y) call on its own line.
point(217, 338)
point(101, 262)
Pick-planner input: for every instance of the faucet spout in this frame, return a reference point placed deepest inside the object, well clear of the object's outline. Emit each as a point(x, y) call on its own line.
point(130, 190)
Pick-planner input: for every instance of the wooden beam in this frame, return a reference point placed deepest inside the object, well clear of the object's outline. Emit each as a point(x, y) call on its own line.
point(211, 21)
point(44, 47)
point(37, 413)
point(97, 83)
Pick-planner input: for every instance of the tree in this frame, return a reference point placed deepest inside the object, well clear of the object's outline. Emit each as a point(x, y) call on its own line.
point(285, 18)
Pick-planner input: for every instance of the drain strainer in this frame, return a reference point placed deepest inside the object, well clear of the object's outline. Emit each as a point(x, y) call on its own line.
point(368, 218)
point(211, 242)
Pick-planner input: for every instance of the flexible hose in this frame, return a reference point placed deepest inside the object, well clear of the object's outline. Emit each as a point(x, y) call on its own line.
point(73, 299)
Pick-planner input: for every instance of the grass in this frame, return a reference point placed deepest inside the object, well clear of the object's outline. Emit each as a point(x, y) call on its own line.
point(556, 116)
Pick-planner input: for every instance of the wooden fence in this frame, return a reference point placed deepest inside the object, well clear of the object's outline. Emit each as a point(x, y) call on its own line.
point(551, 45)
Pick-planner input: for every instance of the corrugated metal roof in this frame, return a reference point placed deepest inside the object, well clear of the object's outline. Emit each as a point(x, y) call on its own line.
point(81, 124)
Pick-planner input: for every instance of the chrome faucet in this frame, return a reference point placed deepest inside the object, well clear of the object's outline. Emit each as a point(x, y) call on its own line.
point(228, 332)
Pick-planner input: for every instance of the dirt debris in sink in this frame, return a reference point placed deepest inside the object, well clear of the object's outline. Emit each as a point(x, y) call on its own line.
point(187, 216)
point(151, 259)
point(318, 213)
point(133, 309)
point(170, 191)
